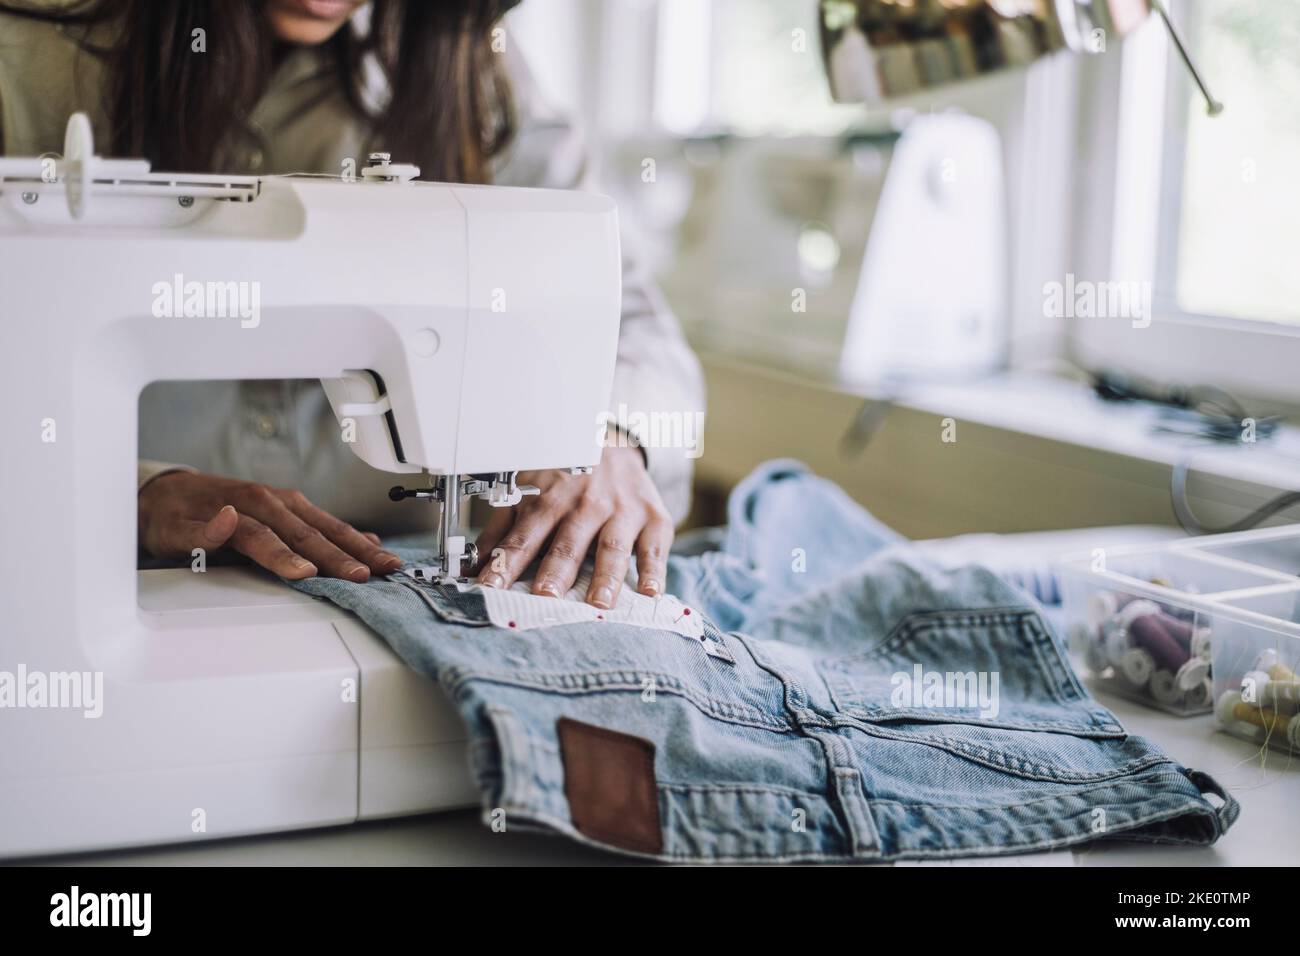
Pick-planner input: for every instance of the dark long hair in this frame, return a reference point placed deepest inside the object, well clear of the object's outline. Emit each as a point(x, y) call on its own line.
point(450, 108)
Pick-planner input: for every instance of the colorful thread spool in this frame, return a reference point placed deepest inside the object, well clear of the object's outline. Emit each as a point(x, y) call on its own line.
point(1150, 633)
point(1116, 633)
point(1282, 695)
point(1232, 709)
point(1181, 631)
point(1261, 690)
point(1268, 663)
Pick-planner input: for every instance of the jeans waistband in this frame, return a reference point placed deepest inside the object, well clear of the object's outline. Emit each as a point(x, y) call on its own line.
point(524, 780)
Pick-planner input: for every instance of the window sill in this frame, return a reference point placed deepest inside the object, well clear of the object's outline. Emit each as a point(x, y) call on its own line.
point(1062, 410)
point(1032, 452)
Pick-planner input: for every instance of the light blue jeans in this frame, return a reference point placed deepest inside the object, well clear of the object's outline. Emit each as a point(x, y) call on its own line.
point(859, 704)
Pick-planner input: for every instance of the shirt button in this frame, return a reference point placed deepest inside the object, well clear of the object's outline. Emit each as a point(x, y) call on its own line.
point(256, 158)
point(265, 426)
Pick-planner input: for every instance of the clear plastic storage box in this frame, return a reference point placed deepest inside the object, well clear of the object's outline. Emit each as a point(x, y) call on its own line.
point(1194, 626)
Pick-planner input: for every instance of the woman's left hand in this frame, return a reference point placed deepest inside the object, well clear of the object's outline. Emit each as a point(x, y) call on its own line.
point(617, 507)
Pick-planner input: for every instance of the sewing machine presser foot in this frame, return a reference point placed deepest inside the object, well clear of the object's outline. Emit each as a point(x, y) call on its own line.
point(500, 490)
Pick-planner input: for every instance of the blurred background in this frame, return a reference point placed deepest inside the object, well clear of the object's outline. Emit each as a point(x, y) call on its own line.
point(856, 277)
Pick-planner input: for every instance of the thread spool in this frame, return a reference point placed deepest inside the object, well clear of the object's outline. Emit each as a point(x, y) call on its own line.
point(1117, 644)
point(1199, 696)
point(1137, 666)
point(1181, 631)
point(1226, 706)
point(1268, 662)
point(1149, 633)
point(1281, 672)
point(1115, 631)
point(1104, 605)
point(1200, 643)
point(1192, 673)
point(1282, 696)
point(1134, 608)
point(1164, 688)
point(1252, 686)
point(1231, 709)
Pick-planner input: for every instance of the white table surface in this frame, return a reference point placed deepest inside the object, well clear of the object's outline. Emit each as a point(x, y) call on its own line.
point(1267, 833)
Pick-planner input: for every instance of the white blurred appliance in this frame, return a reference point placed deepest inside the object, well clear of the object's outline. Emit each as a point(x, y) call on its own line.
point(930, 293)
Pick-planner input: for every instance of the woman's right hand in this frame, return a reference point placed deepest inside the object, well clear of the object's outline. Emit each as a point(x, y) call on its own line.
point(277, 528)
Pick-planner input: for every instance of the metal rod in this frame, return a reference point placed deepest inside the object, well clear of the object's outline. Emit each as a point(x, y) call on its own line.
point(1212, 106)
point(449, 520)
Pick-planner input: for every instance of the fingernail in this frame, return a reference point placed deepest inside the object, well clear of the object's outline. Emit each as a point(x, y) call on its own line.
point(546, 587)
point(302, 564)
point(492, 580)
point(650, 587)
point(602, 597)
point(357, 572)
point(387, 560)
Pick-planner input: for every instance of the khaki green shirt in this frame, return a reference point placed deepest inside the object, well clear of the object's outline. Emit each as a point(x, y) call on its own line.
point(283, 432)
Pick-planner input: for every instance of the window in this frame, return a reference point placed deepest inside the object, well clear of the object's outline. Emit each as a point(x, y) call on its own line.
point(749, 67)
point(1233, 238)
point(1204, 208)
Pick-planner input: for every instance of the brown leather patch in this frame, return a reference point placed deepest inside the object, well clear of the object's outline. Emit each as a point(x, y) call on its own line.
point(609, 780)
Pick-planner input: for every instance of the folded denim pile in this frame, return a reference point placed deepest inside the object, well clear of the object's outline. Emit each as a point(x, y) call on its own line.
point(843, 700)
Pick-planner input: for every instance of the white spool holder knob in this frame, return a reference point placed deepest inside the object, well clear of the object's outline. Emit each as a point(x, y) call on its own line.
point(79, 161)
point(382, 169)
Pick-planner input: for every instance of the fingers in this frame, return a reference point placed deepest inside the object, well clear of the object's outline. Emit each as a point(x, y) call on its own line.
point(217, 532)
point(178, 536)
point(311, 543)
point(559, 569)
point(364, 548)
point(613, 554)
point(264, 546)
point(520, 543)
point(652, 554)
point(497, 525)
point(181, 512)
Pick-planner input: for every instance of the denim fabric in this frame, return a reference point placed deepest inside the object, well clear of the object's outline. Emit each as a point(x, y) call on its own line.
point(798, 744)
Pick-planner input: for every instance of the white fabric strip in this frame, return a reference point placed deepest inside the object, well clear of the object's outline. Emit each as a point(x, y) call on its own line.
point(522, 610)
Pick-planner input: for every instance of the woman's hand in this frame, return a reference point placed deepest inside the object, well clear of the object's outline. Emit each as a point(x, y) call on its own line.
point(617, 506)
point(276, 527)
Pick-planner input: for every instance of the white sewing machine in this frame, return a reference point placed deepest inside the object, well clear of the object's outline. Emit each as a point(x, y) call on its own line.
point(435, 315)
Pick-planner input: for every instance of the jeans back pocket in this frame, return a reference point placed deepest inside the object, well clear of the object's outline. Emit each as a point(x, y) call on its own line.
point(995, 667)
